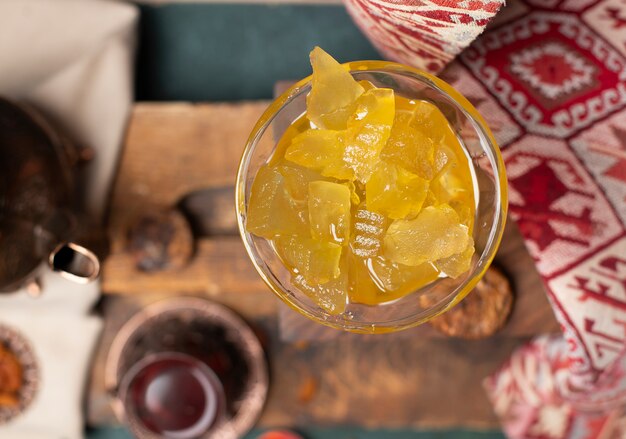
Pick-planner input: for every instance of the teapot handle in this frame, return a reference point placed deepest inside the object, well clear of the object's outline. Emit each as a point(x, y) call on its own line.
point(74, 262)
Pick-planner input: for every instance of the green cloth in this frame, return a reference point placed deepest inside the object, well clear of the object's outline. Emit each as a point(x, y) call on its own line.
point(338, 433)
point(208, 52)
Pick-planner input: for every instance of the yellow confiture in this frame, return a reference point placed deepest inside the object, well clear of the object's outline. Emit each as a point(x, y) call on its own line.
point(368, 196)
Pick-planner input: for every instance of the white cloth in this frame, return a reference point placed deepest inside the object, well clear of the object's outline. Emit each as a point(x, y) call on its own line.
point(59, 296)
point(62, 344)
point(72, 59)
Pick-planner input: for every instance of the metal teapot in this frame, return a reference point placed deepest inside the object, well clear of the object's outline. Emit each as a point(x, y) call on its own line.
point(37, 193)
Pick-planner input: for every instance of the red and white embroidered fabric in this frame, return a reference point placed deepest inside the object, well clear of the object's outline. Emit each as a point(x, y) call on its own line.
point(550, 78)
point(426, 34)
point(554, 77)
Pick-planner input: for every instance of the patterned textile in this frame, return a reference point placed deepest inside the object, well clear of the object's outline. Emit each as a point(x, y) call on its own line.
point(550, 78)
point(426, 34)
point(551, 82)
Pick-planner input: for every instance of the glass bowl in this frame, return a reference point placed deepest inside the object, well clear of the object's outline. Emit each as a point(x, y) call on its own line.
point(489, 186)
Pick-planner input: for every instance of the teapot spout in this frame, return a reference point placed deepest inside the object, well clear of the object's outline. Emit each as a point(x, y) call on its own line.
point(74, 262)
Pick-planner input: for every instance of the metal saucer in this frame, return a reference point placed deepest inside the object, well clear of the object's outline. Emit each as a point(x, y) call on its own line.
point(180, 324)
point(21, 348)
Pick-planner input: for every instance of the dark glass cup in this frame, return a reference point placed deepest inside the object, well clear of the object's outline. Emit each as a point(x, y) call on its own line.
point(172, 395)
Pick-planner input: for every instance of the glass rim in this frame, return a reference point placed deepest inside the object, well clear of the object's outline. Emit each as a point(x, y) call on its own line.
point(497, 226)
point(136, 369)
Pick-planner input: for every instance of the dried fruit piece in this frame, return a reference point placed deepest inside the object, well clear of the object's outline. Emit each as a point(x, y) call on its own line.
point(317, 262)
point(320, 150)
point(368, 130)
point(268, 196)
point(333, 92)
point(434, 234)
point(395, 192)
point(368, 230)
point(329, 211)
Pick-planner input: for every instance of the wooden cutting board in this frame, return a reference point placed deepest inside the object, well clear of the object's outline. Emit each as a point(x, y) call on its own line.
point(180, 154)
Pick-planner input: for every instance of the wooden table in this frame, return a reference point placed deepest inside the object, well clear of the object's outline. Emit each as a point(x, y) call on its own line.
point(187, 155)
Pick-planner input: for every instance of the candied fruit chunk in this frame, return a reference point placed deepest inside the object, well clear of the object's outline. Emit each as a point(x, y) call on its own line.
point(395, 192)
point(317, 262)
point(367, 85)
point(444, 159)
point(454, 186)
point(397, 280)
point(333, 92)
point(457, 264)
point(429, 119)
point(361, 287)
point(354, 195)
point(409, 147)
point(320, 150)
point(354, 152)
point(465, 209)
point(329, 211)
point(431, 199)
point(331, 296)
point(434, 234)
point(299, 126)
point(438, 194)
point(368, 230)
point(422, 140)
point(297, 179)
point(268, 196)
point(378, 280)
point(368, 131)
point(450, 185)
